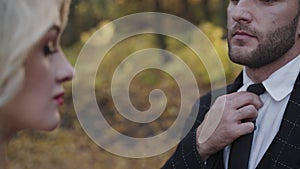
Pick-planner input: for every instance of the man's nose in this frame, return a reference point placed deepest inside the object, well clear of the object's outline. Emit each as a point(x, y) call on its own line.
point(242, 12)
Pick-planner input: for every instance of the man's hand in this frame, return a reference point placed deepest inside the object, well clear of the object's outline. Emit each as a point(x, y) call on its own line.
point(229, 117)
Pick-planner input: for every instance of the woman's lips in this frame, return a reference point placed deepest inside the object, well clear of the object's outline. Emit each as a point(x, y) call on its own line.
point(59, 99)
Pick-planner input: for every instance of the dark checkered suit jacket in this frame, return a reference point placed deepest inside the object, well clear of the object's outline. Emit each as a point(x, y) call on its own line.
point(283, 153)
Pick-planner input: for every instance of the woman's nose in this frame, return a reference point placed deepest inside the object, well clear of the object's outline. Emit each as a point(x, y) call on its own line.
point(65, 71)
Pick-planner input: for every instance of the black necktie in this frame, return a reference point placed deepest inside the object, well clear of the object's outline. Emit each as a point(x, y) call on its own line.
point(241, 147)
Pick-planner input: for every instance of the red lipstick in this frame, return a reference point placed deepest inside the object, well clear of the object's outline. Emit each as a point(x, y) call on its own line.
point(59, 99)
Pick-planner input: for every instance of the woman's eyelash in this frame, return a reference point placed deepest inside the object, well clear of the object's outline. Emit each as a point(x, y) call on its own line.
point(265, 1)
point(268, 1)
point(49, 48)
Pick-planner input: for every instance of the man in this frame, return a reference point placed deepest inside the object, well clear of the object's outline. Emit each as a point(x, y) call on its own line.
point(264, 36)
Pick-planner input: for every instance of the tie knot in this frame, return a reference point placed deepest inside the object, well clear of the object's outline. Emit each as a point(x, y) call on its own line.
point(257, 88)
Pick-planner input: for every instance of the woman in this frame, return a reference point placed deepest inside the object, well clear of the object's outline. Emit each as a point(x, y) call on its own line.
point(32, 66)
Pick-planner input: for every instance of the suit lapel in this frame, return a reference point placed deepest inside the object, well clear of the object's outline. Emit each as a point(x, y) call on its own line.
point(284, 151)
point(236, 84)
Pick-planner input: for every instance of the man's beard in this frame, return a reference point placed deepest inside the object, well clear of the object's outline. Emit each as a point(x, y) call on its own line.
point(275, 44)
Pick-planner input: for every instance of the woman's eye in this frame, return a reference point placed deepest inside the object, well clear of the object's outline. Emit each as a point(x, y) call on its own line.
point(268, 1)
point(50, 48)
point(234, 1)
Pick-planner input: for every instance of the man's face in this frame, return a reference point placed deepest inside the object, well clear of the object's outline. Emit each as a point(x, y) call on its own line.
point(261, 31)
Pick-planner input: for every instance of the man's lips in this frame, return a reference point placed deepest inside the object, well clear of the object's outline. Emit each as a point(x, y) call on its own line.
point(240, 34)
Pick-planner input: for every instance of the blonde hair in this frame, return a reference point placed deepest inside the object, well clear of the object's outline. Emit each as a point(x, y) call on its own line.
point(23, 23)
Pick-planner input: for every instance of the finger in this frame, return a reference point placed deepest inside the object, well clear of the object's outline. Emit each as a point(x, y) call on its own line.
point(247, 113)
point(244, 128)
point(241, 99)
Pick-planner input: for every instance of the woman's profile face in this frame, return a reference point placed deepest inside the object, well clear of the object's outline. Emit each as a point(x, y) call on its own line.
point(46, 68)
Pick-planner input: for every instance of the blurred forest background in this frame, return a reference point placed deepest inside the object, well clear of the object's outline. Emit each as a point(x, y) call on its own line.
point(68, 146)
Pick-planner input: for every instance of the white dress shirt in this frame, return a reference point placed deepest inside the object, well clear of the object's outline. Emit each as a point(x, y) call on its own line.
point(278, 90)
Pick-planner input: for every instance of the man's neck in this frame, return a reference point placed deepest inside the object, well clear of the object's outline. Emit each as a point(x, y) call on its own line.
point(260, 74)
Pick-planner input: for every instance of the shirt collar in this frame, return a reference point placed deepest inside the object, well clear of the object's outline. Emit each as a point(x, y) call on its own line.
point(281, 82)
